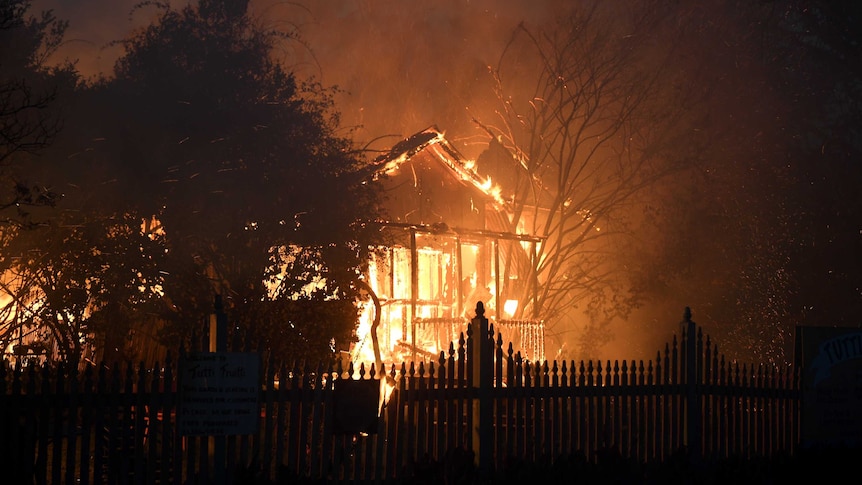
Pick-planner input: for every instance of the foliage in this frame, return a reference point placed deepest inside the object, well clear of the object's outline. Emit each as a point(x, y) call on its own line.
point(235, 160)
point(74, 278)
point(31, 97)
point(29, 92)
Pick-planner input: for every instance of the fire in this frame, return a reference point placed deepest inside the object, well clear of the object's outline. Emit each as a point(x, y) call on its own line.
point(424, 290)
point(509, 308)
point(465, 169)
point(423, 310)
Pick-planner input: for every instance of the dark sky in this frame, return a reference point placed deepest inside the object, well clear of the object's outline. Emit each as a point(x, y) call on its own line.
point(402, 65)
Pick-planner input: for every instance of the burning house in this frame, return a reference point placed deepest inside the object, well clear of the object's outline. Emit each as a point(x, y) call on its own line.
point(447, 250)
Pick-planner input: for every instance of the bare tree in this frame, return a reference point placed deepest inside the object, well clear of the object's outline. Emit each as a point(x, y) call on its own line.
point(238, 161)
point(606, 116)
point(28, 97)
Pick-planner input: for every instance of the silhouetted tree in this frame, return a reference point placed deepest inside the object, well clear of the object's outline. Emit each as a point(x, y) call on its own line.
point(242, 170)
point(37, 294)
point(77, 283)
point(29, 114)
point(595, 111)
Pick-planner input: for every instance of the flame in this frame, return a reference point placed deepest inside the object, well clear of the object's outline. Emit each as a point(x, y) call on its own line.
point(509, 308)
point(464, 168)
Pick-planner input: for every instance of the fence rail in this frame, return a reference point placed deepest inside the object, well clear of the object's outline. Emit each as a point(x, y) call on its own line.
point(478, 408)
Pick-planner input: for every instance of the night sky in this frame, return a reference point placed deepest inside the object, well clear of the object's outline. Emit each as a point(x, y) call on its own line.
point(405, 65)
point(402, 66)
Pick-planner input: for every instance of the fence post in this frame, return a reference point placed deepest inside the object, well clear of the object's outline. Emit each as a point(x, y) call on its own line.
point(693, 410)
point(218, 326)
point(482, 362)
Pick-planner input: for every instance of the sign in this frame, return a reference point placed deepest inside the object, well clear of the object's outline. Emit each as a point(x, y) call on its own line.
point(357, 406)
point(831, 363)
point(219, 394)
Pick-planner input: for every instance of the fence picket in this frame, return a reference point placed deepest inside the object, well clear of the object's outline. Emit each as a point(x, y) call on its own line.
point(118, 424)
point(442, 407)
point(392, 418)
point(86, 409)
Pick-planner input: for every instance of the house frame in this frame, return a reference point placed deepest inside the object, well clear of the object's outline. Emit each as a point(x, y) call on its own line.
point(444, 254)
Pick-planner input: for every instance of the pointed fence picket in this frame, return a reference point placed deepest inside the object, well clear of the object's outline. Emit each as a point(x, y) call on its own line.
point(118, 424)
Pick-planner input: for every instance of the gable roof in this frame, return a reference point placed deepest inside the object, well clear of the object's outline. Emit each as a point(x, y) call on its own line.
point(433, 140)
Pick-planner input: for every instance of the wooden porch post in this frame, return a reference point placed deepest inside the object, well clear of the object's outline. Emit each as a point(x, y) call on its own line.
point(534, 279)
point(498, 307)
point(459, 275)
point(414, 289)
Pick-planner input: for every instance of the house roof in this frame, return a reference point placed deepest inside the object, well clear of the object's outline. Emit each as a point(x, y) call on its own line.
point(435, 142)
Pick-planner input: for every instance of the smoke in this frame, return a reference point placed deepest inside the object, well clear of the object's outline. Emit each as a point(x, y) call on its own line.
point(401, 66)
point(405, 65)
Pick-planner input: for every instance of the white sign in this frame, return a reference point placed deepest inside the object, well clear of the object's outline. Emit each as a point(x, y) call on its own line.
point(219, 394)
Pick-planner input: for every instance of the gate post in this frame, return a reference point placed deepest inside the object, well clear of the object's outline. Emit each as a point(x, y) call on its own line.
point(482, 364)
point(693, 411)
